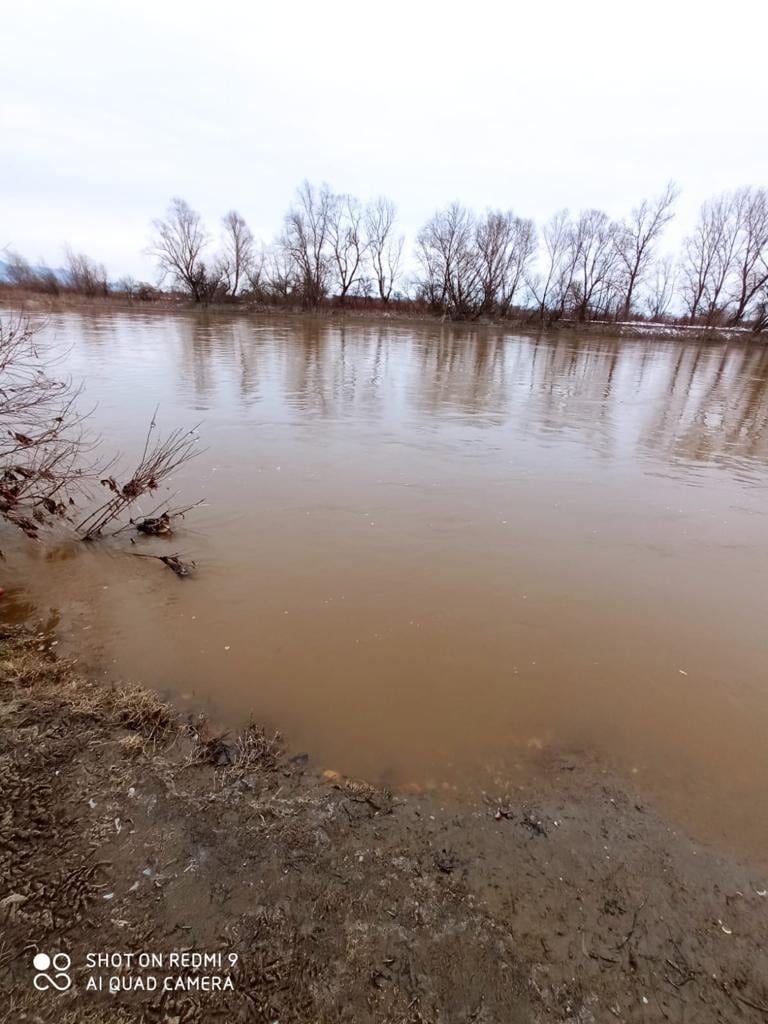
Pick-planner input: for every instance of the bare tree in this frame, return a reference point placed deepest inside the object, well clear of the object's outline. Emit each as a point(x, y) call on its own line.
point(237, 257)
point(474, 266)
point(445, 252)
point(660, 287)
point(178, 245)
point(504, 245)
point(365, 287)
point(19, 270)
point(596, 263)
point(708, 259)
point(257, 273)
point(22, 274)
point(280, 273)
point(636, 238)
point(85, 276)
point(552, 285)
point(760, 316)
point(750, 264)
point(385, 249)
point(305, 240)
point(346, 242)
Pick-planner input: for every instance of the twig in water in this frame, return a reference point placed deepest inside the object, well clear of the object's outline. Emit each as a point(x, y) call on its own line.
point(173, 562)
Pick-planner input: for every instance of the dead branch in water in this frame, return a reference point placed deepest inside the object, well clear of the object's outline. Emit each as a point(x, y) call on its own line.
point(158, 460)
point(161, 525)
point(173, 562)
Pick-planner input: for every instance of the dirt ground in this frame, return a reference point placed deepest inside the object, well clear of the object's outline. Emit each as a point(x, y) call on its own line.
point(126, 829)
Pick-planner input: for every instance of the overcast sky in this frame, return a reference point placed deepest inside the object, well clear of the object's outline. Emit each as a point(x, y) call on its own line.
point(109, 109)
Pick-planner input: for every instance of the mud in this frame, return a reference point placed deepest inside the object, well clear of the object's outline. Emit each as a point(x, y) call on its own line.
point(126, 828)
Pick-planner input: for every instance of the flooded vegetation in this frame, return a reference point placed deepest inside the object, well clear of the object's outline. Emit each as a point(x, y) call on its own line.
point(428, 553)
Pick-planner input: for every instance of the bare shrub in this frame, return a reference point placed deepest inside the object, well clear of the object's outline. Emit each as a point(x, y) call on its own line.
point(85, 276)
point(43, 441)
point(19, 271)
point(22, 274)
point(159, 459)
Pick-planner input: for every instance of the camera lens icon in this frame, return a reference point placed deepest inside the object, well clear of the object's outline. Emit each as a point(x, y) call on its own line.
point(58, 965)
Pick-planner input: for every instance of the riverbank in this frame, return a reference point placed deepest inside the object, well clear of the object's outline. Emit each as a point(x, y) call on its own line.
point(37, 303)
point(127, 829)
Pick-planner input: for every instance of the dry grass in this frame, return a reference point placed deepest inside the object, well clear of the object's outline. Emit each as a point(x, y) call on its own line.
point(25, 668)
point(29, 671)
point(251, 750)
point(22, 665)
point(257, 750)
point(141, 711)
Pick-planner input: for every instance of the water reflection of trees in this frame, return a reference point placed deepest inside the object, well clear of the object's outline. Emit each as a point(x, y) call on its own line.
point(715, 408)
point(217, 354)
point(689, 401)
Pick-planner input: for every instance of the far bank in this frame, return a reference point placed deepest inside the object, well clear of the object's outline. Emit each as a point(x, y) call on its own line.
point(527, 323)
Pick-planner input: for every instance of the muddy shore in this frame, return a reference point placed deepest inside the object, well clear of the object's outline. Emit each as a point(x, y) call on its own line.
point(127, 829)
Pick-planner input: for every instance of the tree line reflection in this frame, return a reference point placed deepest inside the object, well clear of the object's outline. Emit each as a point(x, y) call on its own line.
point(688, 401)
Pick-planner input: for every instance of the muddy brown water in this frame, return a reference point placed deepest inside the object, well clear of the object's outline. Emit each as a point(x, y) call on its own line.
point(429, 552)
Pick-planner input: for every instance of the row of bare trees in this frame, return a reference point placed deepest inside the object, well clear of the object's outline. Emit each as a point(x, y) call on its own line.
point(330, 244)
point(180, 245)
point(471, 266)
point(583, 267)
point(724, 268)
point(81, 275)
point(591, 267)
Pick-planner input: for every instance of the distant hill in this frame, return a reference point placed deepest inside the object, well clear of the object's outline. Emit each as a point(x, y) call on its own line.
point(60, 272)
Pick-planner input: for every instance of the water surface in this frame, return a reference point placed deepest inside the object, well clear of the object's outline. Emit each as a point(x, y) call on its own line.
point(428, 551)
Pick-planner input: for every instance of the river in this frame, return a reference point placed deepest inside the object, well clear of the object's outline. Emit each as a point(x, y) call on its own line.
point(430, 553)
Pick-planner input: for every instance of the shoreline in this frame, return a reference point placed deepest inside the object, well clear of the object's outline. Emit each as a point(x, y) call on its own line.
point(37, 303)
point(128, 827)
